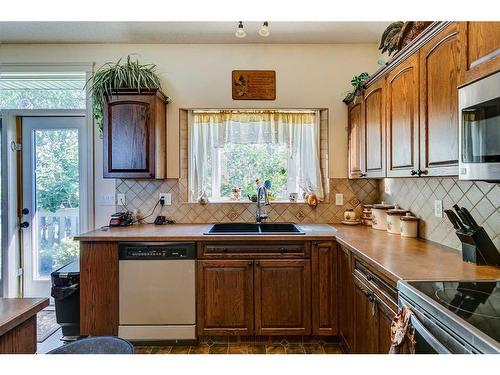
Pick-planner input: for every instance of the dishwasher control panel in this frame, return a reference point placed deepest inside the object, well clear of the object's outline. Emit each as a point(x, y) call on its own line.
point(156, 250)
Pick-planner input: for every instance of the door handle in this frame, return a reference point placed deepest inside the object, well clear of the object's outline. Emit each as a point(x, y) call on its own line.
point(25, 211)
point(24, 224)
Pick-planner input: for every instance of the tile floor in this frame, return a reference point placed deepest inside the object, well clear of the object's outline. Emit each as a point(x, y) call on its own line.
point(217, 347)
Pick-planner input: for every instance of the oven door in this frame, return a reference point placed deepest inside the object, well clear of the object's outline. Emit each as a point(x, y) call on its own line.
point(432, 337)
point(480, 130)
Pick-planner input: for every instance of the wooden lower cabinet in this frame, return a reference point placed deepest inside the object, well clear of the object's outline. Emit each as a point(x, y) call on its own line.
point(372, 321)
point(345, 300)
point(282, 297)
point(225, 297)
point(324, 288)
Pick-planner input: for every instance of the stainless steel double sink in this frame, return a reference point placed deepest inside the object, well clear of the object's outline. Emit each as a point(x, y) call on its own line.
point(254, 229)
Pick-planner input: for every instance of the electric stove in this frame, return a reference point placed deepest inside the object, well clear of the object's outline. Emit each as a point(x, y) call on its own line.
point(466, 311)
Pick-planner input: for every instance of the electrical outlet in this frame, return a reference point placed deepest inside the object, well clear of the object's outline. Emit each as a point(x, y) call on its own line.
point(120, 199)
point(167, 197)
point(438, 208)
point(339, 199)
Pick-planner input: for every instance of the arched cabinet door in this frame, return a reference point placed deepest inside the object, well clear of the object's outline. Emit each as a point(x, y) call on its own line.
point(356, 140)
point(374, 129)
point(134, 135)
point(403, 119)
point(439, 75)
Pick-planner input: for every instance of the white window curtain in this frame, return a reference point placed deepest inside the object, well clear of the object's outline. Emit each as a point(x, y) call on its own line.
point(298, 130)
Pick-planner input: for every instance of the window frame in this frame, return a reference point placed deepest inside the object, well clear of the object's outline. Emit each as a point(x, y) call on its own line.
point(322, 143)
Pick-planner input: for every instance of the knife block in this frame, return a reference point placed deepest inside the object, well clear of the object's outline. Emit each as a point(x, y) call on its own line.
point(478, 248)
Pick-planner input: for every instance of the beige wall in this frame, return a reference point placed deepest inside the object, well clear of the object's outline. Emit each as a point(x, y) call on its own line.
point(198, 76)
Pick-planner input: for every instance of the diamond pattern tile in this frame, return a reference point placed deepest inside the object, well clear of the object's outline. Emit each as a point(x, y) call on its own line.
point(418, 195)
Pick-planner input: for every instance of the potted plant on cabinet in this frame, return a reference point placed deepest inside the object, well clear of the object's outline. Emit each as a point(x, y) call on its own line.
point(112, 78)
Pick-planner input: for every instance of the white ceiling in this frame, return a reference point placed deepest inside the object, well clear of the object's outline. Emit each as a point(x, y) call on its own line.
point(189, 32)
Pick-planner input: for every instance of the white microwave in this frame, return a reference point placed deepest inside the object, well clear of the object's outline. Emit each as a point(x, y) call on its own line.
point(479, 135)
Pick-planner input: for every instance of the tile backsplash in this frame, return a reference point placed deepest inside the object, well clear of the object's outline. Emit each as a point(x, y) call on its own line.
point(143, 195)
point(482, 199)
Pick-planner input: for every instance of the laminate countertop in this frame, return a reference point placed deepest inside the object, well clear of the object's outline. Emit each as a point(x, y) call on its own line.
point(14, 311)
point(398, 258)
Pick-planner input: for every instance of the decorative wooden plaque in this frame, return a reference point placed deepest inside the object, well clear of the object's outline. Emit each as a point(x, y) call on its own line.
point(254, 84)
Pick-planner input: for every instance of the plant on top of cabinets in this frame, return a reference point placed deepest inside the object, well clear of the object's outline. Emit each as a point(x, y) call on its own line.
point(130, 109)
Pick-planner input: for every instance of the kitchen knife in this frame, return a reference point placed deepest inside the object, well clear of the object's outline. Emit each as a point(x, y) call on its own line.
point(462, 218)
point(470, 218)
point(457, 224)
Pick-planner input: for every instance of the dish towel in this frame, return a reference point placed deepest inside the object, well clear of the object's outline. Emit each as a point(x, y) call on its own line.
point(402, 333)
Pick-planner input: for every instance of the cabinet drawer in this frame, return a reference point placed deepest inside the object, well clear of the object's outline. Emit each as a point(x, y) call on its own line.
point(382, 288)
point(254, 251)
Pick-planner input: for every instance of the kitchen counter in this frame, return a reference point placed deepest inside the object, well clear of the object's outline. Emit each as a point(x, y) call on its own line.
point(395, 256)
point(194, 232)
point(18, 324)
point(402, 258)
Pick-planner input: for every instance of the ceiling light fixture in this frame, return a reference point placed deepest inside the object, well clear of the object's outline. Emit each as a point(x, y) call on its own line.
point(264, 30)
point(240, 33)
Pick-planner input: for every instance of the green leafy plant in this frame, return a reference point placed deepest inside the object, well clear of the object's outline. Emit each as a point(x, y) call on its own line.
point(357, 83)
point(113, 76)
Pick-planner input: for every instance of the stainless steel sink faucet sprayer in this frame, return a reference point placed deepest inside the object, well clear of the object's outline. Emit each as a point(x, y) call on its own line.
point(262, 191)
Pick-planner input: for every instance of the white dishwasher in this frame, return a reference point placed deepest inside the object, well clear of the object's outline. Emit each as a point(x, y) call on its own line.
point(157, 291)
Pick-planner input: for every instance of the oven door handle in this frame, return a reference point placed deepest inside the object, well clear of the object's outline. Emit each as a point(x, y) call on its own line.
point(429, 337)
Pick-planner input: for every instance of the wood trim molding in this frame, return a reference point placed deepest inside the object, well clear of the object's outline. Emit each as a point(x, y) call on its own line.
point(407, 51)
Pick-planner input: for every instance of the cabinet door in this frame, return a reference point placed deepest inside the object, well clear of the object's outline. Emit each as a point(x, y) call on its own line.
point(402, 118)
point(355, 143)
point(282, 297)
point(479, 50)
point(346, 295)
point(439, 71)
point(128, 137)
point(225, 297)
point(365, 320)
point(324, 288)
point(384, 320)
point(374, 132)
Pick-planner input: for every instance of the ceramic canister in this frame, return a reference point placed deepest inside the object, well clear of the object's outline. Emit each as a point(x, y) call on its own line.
point(379, 213)
point(409, 226)
point(394, 220)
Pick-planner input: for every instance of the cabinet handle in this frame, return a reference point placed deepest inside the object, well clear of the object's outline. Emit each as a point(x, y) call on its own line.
point(362, 175)
point(282, 249)
point(413, 172)
point(369, 277)
point(257, 263)
point(250, 263)
point(421, 172)
point(224, 249)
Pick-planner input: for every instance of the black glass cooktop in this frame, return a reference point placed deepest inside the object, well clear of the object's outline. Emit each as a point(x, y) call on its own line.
point(477, 302)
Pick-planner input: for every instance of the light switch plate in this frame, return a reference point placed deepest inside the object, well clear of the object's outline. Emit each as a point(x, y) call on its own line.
point(339, 199)
point(438, 208)
point(120, 199)
point(167, 197)
point(105, 199)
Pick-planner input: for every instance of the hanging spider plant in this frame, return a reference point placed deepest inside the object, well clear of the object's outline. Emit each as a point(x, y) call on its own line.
point(113, 76)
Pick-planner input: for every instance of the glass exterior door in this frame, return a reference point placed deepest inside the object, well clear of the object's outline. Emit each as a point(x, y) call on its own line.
point(51, 197)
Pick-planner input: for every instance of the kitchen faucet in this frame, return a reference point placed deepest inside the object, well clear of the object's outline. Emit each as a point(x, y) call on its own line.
point(262, 192)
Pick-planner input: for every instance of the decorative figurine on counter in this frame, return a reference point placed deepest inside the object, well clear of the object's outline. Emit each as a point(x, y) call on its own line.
point(203, 199)
point(311, 199)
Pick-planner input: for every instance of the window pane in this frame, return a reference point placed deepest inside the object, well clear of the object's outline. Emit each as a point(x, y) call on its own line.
point(241, 164)
point(57, 199)
point(42, 91)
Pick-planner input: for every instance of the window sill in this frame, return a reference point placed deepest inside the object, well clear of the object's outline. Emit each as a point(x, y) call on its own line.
point(250, 202)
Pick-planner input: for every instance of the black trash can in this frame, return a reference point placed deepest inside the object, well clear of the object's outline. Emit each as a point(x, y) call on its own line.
point(66, 294)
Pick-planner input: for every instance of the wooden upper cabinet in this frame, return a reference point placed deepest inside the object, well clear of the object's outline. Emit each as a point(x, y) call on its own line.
point(225, 297)
point(402, 118)
point(374, 129)
point(355, 143)
point(282, 297)
point(479, 50)
point(439, 75)
point(134, 135)
point(324, 288)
